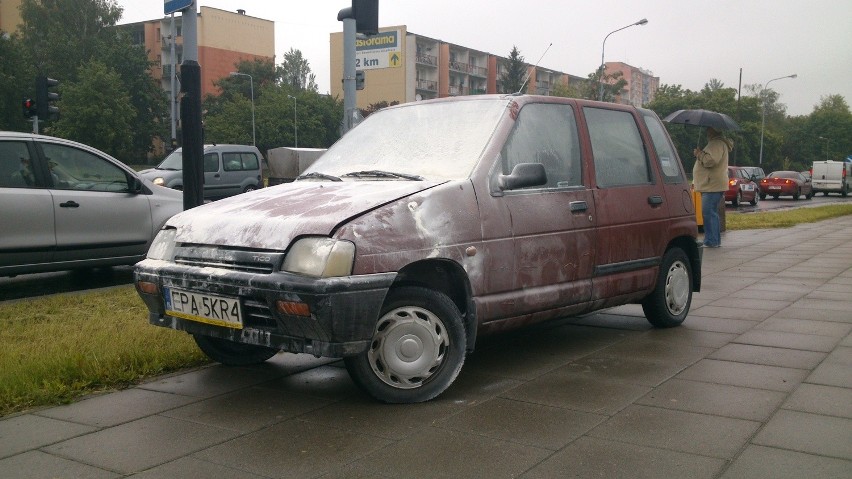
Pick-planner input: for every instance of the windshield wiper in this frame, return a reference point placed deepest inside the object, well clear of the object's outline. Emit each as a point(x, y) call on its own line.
point(321, 176)
point(384, 174)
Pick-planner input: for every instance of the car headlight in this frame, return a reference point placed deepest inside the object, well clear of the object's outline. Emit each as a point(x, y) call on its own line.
point(159, 181)
point(320, 257)
point(163, 246)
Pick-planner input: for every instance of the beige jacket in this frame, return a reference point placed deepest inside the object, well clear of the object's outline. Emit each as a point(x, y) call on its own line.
point(710, 173)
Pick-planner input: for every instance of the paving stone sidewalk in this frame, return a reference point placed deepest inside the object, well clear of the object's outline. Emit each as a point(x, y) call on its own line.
point(757, 383)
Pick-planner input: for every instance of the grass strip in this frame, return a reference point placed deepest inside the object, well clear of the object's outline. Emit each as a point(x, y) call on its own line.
point(785, 218)
point(54, 349)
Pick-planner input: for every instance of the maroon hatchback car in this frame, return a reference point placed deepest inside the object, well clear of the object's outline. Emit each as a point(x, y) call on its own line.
point(741, 188)
point(428, 225)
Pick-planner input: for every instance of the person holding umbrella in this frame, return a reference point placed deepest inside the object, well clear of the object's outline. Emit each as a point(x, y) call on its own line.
point(710, 178)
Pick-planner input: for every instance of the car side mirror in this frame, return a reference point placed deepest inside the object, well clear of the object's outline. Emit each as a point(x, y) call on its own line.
point(523, 175)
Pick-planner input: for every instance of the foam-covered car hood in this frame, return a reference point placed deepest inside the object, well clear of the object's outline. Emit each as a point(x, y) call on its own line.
point(270, 218)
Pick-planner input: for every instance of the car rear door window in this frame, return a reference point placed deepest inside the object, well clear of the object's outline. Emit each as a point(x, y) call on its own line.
point(16, 169)
point(617, 147)
point(546, 134)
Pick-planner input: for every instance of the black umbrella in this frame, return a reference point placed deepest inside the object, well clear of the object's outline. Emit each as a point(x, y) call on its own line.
point(718, 121)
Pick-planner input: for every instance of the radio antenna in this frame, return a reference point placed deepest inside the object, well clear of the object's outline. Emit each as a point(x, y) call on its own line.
point(529, 73)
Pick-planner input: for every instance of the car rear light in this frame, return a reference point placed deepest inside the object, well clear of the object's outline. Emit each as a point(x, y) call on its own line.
point(732, 182)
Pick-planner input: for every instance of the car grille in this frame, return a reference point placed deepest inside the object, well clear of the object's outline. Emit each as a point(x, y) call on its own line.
point(247, 261)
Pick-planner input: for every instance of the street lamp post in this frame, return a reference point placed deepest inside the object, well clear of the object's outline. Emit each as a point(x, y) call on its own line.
point(603, 47)
point(826, 146)
point(295, 122)
point(763, 115)
point(251, 85)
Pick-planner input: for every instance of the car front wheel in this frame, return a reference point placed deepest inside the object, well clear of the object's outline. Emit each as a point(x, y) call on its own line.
point(417, 350)
point(230, 353)
point(668, 304)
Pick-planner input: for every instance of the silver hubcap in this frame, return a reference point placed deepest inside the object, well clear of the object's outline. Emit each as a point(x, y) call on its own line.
point(677, 288)
point(408, 346)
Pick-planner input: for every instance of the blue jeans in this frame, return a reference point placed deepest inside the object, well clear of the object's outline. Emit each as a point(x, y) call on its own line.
point(710, 211)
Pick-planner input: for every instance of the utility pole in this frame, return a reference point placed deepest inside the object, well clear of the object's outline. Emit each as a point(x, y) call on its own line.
point(190, 104)
point(361, 17)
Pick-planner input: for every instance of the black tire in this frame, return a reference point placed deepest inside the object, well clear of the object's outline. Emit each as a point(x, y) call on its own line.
point(809, 195)
point(825, 193)
point(755, 200)
point(763, 196)
point(737, 199)
point(668, 304)
point(417, 351)
point(230, 353)
point(775, 197)
point(249, 188)
point(797, 194)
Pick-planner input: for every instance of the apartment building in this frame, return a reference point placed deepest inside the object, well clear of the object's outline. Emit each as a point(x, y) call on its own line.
point(403, 66)
point(224, 39)
point(10, 16)
point(641, 84)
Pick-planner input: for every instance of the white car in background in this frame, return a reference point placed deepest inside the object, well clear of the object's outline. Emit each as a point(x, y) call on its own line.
point(65, 205)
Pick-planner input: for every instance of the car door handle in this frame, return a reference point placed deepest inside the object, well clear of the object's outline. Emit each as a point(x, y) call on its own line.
point(655, 200)
point(576, 206)
point(69, 204)
point(216, 175)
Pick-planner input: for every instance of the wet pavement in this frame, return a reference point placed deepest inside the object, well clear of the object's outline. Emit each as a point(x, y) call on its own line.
point(757, 383)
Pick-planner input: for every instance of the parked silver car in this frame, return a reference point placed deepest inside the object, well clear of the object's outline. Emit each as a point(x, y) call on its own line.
point(65, 205)
point(228, 170)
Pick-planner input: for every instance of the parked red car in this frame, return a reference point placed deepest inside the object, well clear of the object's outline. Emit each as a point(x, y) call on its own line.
point(740, 187)
point(786, 183)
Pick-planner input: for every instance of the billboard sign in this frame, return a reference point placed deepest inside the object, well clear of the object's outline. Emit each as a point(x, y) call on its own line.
point(382, 50)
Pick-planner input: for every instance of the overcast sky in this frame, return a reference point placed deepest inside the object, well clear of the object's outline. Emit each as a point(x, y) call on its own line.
point(684, 43)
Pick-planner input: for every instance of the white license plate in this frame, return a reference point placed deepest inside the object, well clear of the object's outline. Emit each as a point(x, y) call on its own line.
point(748, 187)
point(204, 308)
point(774, 187)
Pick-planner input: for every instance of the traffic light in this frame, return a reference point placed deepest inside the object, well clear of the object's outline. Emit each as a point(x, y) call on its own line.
point(29, 107)
point(359, 79)
point(366, 13)
point(44, 97)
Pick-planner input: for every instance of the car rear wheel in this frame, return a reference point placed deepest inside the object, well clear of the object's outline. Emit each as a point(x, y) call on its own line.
point(797, 194)
point(763, 196)
point(755, 199)
point(249, 188)
point(417, 350)
point(668, 304)
point(230, 353)
point(737, 199)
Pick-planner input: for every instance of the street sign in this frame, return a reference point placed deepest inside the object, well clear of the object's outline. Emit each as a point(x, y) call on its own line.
point(172, 6)
point(378, 51)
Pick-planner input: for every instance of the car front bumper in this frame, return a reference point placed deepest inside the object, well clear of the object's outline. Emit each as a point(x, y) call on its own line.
point(343, 310)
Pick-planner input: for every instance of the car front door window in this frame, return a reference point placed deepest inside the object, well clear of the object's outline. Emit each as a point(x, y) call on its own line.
point(74, 169)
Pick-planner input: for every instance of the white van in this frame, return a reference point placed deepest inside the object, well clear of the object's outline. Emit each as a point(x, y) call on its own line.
point(228, 170)
point(831, 177)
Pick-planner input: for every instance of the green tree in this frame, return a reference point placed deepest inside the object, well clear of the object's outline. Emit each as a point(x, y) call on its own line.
point(512, 79)
point(613, 84)
point(57, 37)
point(295, 71)
point(61, 35)
point(103, 126)
point(569, 90)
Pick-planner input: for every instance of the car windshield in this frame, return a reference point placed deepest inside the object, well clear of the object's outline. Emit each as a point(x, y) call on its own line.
point(433, 141)
point(172, 162)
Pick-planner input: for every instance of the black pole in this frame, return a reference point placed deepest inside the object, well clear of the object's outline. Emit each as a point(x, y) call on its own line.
point(193, 146)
